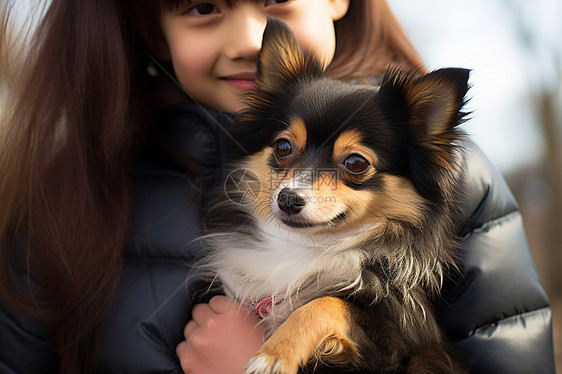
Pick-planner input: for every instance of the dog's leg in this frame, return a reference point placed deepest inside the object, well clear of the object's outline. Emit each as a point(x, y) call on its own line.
point(436, 359)
point(318, 330)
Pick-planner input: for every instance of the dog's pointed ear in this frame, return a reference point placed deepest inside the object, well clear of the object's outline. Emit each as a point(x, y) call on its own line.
point(433, 109)
point(282, 60)
point(434, 100)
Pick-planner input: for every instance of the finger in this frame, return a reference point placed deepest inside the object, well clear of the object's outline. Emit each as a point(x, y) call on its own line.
point(201, 313)
point(189, 329)
point(220, 304)
point(180, 349)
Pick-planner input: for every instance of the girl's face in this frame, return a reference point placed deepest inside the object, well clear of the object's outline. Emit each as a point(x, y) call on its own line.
point(213, 47)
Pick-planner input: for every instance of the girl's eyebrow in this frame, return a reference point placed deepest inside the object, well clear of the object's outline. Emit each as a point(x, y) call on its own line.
point(184, 3)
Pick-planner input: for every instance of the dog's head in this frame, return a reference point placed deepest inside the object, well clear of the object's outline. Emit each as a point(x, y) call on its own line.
point(329, 155)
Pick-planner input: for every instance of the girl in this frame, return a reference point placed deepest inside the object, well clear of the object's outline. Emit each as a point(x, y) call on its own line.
point(105, 165)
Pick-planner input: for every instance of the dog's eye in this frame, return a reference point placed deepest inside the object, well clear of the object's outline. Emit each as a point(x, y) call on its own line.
point(283, 148)
point(356, 164)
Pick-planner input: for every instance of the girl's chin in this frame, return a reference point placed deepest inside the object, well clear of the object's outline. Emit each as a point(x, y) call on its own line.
point(232, 106)
point(227, 100)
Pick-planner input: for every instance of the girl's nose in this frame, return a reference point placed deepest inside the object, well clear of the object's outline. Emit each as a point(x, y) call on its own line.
point(245, 32)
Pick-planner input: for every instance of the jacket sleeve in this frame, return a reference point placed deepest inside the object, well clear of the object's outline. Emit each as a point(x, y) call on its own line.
point(25, 343)
point(498, 315)
point(172, 180)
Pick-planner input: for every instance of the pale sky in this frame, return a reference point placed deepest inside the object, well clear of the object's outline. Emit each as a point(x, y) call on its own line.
point(481, 35)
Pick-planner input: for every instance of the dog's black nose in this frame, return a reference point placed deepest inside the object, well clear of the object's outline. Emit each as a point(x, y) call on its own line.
point(290, 202)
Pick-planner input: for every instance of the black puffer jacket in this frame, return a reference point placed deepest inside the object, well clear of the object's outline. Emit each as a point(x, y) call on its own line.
point(497, 312)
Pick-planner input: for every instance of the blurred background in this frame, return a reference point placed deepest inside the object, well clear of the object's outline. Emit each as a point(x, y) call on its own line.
point(514, 48)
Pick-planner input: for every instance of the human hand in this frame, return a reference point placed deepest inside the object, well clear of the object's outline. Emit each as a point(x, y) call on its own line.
point(220, 339)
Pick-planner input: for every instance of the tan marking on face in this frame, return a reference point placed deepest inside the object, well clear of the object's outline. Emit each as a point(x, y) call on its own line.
point(329, 198)
point(345, 142)
point(299, 133)
point(399, 200)
point(319, 329)
point(326, 198)
point(259, 164)
point(325, 204)
point(348, 143)
point(296, 133)
point(356, 202)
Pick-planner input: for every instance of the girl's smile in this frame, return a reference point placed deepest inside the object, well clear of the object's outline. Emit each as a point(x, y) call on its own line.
point(241, 81)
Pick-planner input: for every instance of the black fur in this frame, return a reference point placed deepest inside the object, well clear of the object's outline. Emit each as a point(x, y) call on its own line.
point(411, 124)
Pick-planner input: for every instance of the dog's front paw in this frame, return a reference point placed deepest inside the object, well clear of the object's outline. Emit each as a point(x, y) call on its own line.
point(263, 363)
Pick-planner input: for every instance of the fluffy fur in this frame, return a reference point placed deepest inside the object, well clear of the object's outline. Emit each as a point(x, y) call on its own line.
point(340, 210)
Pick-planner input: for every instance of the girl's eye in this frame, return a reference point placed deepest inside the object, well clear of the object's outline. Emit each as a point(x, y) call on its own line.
point(202, 9)
point(275, 2)
point(283, 148)
point(356, 164)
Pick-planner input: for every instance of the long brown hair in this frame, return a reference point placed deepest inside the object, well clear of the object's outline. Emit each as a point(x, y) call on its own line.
point(66, 148)
point(369, 40)
point(67, 142)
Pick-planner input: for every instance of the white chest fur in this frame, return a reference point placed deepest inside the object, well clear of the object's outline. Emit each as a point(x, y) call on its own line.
point(287, 264)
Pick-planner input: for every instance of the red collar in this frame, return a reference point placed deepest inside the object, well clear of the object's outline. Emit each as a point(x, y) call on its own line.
point(264, 307)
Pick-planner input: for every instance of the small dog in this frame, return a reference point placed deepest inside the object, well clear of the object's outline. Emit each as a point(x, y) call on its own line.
point(336, 225)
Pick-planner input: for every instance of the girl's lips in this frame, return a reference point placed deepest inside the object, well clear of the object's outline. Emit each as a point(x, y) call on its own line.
point(242, 81)
point(241, 84)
